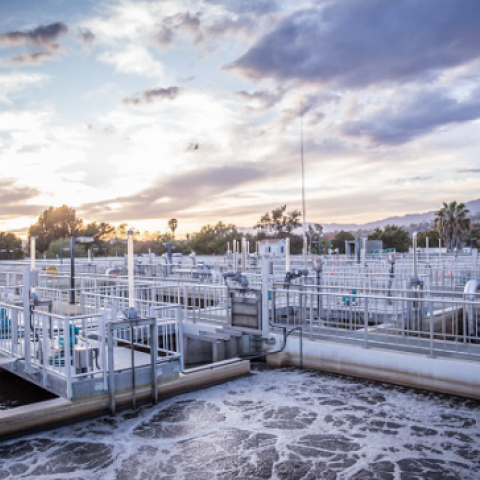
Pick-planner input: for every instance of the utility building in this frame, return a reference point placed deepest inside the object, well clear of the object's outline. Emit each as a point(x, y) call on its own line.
point(273, 247)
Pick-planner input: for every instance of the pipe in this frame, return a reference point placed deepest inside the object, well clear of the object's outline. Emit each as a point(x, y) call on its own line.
point(72, 270)
point(234, 246)
point(32, 253)
point(244, 255)
point(287, 260)
point(472, 294)
point(415, 259)
point(427, 242)
point(305, 251)
point(131, 294)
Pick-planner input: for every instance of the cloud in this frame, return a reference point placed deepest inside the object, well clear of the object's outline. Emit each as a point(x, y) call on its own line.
point(401, 181)
point(172, 25)
point(43, 36)
point(30, 59)
point(177, 193)
point(414, 117)
point(13, 199)
point(153, 95)
point(134, 59)
point(13, 84)
point(260, 99)
point(258, 7)
point(468, 170)
point(357, 43)
point(86, 38)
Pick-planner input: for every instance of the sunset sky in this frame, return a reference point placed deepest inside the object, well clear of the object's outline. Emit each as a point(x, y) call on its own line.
point(140, 111)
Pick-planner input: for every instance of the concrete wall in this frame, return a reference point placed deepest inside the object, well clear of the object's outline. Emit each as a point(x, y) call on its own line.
point(59, 411)
point(437, 374)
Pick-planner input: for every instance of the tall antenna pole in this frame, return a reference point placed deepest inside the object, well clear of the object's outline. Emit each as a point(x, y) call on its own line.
point(304, 208)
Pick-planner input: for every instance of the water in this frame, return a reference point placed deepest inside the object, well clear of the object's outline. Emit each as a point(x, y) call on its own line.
point(15, 392)
point(284, 424)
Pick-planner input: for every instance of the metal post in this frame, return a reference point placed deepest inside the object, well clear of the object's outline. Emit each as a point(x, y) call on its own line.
point(72, 270)
point(305, 251)
point(234, 245)
point(111, 371)
point(415, 259)
point(26, 315)
point(244, 255)
point(287, 259)
point(154, 358)
point(131, 285)
point(265, 299)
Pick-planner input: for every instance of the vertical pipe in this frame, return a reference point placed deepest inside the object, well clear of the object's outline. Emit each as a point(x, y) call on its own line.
point(427, 246)
point(234, 245)
point(265, 272)
point(287, 259)
point(244, 255)
point(305, 251)
point(72, 270)
point(131, 294)
point(415, 260)
point(26, 316)
point(32, 253)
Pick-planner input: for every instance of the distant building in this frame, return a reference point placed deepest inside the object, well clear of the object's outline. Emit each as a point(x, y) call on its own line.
point(273, 247)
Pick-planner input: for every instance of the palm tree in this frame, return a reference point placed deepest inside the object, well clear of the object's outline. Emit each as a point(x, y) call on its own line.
point(452, 224)
point(172, 225)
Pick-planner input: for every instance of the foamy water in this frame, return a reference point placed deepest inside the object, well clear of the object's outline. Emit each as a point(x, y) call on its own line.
point(284, 424)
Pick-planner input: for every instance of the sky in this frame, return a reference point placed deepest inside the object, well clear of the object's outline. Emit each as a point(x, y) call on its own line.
point(140, 111)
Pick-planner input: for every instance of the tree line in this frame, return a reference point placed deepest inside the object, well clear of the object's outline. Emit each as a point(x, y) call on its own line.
point(54, 226)
point(452, 225)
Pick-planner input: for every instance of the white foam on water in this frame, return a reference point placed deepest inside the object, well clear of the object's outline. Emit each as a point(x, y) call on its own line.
point(284, 424)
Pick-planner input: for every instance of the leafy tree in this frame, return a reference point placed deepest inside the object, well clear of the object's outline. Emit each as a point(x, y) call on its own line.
point(392, 236)
point(279, 222)
point(474, 233)
point(52, 224)
point(452, 224)
point(433, 238)
point(213, 239)
point(314, 235)
point(101, 232)
point(56, 247)
point(339, 240)
point(172, 225)
point(10, 246)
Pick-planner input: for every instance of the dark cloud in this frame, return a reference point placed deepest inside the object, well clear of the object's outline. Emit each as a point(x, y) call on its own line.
point(417, 116)
point(153, 95)
point(30, 59)
point(86, 38)
point(242, 24)
point(468, 170)
point(169, 196)
point(43, 36)
point(356, 43)
point(13, 199)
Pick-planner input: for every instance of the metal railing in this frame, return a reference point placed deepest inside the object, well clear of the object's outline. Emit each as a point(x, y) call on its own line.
point(408, 320)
